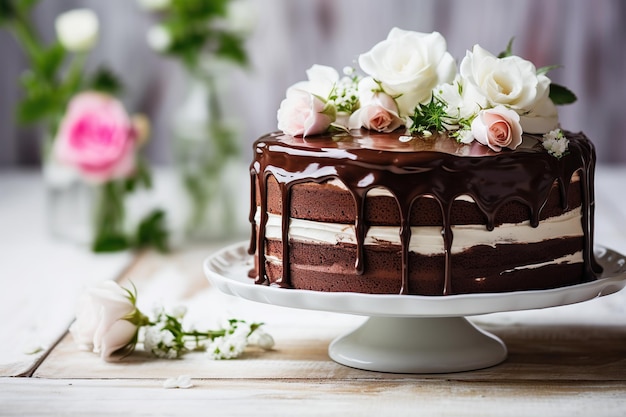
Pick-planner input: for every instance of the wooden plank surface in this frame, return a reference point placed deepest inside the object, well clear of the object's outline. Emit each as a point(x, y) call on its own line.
point(96, 397)
point(584, 342)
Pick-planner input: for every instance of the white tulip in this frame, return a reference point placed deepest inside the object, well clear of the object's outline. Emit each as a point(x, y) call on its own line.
point(77, 30)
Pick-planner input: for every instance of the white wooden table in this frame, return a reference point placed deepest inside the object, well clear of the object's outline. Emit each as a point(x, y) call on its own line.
point(563, 361)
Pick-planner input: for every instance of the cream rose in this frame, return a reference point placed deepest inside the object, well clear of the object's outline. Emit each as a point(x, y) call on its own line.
point(103, 317)
point(409, 65)
point(302, 113)
point(77, 29)
point(510, 81)
point(378, 110)
point(497, 128)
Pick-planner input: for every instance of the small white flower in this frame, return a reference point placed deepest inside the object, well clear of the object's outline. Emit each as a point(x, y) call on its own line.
point(465, 136)
point(232, 344)
point(555, 143)
point(77, 29)
point(349, 71)
point(182, 381)
point(159, 38)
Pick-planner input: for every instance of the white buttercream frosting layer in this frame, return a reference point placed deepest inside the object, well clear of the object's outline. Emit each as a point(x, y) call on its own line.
point(428, 240)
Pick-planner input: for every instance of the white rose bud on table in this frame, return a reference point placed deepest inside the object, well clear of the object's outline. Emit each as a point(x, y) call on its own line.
point(77, 29)
point(107, 320)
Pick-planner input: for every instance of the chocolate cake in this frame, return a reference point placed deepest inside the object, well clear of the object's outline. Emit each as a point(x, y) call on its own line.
point(369, 213)
point(416, 179)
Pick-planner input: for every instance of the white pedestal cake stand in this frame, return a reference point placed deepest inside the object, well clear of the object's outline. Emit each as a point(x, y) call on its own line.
point(406, 333)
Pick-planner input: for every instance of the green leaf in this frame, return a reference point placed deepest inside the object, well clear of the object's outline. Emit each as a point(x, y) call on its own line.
point(508, 51)
point(8, 11)
point(48, 63)
point(110, 243)
point(152, 231)
point(546, 69)
point(429, 116)
point(231, 47)
point(561, 95)
point(106, 80)
point(198, 9)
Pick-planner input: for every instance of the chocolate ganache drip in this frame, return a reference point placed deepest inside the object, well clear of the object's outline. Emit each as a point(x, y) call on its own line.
point(436, 167)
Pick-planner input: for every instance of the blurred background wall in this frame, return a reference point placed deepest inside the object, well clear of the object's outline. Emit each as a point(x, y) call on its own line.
point(587, 38)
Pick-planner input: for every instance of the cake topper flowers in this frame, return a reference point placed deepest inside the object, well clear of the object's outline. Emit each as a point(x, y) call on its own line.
point(412, 81)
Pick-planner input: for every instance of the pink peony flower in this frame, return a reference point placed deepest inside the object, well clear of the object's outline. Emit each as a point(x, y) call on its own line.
point(304, 114)
point(498, 128)
point(97, 137)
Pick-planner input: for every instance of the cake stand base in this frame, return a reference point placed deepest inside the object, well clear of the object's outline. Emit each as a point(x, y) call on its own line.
point(418, 345)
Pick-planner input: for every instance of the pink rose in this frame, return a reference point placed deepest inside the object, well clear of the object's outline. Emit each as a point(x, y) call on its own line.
point(102, 323)
point(379, 113)
point(498, 128)
point(303, 114)
point(97, 137)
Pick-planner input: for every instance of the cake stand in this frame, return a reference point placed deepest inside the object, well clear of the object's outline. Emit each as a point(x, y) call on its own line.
point(407, 333)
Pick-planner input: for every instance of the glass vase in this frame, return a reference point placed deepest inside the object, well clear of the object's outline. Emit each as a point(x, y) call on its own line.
point(213, 178)
point(84, 213)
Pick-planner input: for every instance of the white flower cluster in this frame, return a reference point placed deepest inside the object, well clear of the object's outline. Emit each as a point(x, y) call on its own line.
point(555, 143)
point(160, 337)
point(238, 335)
point(411, 80)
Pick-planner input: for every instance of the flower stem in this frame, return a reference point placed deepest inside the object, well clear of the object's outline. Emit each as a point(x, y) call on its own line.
point(109, 218)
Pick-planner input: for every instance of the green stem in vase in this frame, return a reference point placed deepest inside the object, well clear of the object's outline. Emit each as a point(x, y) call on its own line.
point(209, 155)
point(109, 218)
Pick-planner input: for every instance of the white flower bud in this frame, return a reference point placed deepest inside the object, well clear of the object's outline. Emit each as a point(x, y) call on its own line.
point(159, 38)
point(77, 29)
point(241, 17)
point(154, 5)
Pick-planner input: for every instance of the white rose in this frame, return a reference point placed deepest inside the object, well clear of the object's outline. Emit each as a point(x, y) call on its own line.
point(302, 113)
point(543, 118)
point(510, 81)
point(101, 323)
point(409, 65)
point(321, 81)
point(497, 128)
point(378, 110)
point(77, 29)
